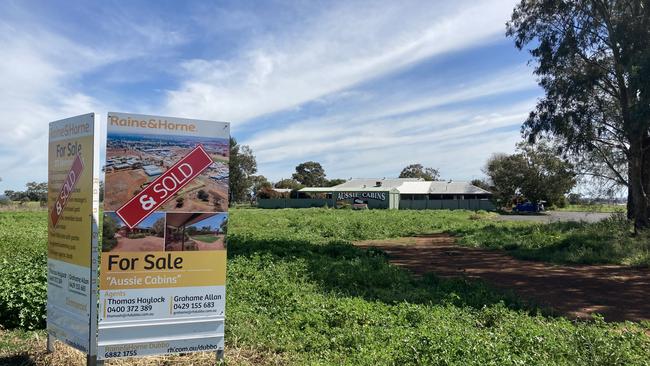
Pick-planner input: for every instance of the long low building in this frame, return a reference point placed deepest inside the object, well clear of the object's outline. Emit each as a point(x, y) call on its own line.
point(394, 193)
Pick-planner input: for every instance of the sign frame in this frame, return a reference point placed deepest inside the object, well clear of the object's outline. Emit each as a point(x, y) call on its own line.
point(153, 150)
point(92, 212)
point(91, 165)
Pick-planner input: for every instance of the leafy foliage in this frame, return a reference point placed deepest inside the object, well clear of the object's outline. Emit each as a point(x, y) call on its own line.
point(158, 227)
point(109, 228)
point(288, 183)
point(260, 182)
point(23, 269)
point(535, 172)
point(242, 166)
point(335, 182)
point(34, 192)
point(419, 171)
point(310, 174)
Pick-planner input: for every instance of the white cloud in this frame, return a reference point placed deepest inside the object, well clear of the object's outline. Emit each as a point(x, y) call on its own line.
point(40, 71)
point(319, 57)
point(457, 141)
point(408, 116)
point(346, 45)
point(34, 70)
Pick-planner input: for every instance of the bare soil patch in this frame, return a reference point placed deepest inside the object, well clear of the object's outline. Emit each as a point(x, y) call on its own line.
point(577, 291)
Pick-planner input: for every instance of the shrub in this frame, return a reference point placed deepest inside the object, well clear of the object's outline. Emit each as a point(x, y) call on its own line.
point(268, 193)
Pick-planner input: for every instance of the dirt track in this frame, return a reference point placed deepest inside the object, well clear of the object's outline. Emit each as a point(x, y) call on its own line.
point(577, 291)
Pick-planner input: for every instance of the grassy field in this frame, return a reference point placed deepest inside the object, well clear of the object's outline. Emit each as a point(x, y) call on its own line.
point(207, 238)
point(593, 208)
point(300, 293)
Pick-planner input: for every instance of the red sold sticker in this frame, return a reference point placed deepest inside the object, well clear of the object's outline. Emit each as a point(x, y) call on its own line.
point(68, 186)
point(164, 187)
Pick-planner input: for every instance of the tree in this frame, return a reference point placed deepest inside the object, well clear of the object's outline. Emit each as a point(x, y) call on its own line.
point(109, 228)
point(419, 171)
point(158, 227)
point(592, 58)
point(506, 174)
point(548, 176)
point(335, 182)
point(259, 182)
point(288, 184)
point(535, 172)
point(483, 184)
point(223, 228)
point(310, 174)
point(575, 198)
point(36, 191)
point(101, 191)
point(242, 166)
point(203, 195)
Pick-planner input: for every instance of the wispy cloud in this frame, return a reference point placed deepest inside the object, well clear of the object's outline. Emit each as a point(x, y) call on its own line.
point(361, 86)
point(345, 45)
point(41, 72)
point(457, 142)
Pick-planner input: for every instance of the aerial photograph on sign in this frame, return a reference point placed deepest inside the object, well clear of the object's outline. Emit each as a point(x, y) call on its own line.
point(148, 235)
point(195, 231)
point(133, 161)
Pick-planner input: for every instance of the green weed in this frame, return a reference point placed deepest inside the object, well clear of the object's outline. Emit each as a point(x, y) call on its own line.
point(297, 287)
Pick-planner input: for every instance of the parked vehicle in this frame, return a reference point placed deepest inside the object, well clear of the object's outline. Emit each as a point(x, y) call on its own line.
point(529, 207)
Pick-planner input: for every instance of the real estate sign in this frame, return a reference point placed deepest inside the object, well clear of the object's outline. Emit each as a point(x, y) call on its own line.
point(72, 231)
point(163, 260)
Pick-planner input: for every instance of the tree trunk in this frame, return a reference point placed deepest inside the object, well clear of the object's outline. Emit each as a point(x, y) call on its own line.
point(637, 187)
point(645, 174)
point(630, 204)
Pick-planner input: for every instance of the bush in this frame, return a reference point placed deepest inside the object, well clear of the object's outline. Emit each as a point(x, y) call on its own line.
point(268, 193)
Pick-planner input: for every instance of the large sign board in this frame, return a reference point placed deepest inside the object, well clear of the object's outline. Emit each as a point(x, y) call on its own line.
point(72, 231)
point(163, 259)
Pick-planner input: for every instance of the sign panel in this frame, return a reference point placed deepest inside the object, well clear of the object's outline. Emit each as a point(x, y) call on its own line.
point(72, 231)
point(163, 261)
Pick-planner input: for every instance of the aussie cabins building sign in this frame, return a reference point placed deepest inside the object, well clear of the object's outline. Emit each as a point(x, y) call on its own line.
point(379, 196)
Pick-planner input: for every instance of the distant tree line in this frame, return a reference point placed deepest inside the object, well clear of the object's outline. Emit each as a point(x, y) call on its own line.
point(36, 192)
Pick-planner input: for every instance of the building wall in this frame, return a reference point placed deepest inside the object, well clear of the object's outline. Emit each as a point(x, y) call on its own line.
point(391, 201)
point(426, 204)
point(293, 203)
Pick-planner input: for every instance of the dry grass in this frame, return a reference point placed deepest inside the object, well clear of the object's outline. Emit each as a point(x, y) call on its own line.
point(29, 349)
point(22, 207)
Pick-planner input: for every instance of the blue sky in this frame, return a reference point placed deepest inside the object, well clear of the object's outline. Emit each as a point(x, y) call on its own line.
point(365, 88)
point(214, 222)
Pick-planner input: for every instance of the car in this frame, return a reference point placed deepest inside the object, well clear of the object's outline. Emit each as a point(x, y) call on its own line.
point(527, 207)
